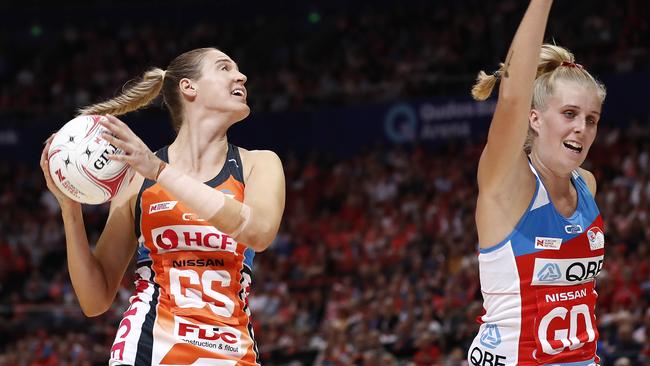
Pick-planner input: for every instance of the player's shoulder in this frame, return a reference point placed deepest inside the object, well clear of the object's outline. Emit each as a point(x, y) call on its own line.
point(260, 160)
point(589, 179)
point(252, 158)
point(258, 154)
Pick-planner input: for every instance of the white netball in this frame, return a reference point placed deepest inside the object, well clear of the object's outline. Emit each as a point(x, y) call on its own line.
point(79, 166)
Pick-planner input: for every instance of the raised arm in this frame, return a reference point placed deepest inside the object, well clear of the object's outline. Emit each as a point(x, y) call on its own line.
point(503, 154)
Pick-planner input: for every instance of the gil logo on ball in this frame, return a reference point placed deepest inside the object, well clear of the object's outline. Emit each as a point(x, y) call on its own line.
point(79, 164)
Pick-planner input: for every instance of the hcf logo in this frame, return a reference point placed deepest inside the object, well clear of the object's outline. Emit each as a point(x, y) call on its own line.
point(191, 237)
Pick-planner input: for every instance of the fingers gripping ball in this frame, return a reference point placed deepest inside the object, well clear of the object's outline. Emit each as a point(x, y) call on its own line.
point(79, 165)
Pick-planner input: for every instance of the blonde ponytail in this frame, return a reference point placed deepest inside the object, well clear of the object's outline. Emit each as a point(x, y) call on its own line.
point(156, 81)
point(485, 84)
point(555, 62)
point(134, 97)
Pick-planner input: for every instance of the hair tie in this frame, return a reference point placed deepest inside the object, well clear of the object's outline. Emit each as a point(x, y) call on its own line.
point(571, 64)
point(163, 74)
point(497, 74)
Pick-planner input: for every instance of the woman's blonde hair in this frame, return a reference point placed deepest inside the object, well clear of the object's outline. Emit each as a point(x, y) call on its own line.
point(143, 91)
point(555, 63)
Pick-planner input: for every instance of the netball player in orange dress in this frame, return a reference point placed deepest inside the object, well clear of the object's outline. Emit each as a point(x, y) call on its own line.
point(194, 215)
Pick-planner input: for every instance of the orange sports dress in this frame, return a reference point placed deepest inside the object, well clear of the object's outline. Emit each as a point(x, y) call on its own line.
point(190, 305)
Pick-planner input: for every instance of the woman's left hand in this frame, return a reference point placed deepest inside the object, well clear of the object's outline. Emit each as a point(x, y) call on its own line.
point(135, 152)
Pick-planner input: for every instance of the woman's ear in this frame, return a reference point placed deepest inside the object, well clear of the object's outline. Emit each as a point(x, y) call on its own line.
point(534, 120)
point(188, 89)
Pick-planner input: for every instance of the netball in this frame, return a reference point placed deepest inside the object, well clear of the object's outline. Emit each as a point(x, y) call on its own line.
point(79, 165)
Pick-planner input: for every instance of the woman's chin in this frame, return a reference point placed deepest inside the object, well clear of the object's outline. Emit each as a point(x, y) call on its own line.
point(240, 113)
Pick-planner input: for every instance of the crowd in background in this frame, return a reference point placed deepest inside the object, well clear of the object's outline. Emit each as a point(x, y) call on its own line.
point(376, 259)
point(375, 263)
point(303, 55)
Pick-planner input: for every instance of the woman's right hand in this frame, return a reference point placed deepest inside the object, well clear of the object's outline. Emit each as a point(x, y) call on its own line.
point(64, 201)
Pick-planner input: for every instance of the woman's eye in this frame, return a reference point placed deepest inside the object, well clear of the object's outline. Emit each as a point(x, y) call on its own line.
point(569, 114)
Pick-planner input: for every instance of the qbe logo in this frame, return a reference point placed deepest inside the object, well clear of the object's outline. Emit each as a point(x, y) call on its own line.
point(479, 357)
point(566, 272)
point(490, 336)
point(549, 273)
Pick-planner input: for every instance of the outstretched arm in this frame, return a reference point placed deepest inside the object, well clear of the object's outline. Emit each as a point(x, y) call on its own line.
point(503, 155)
